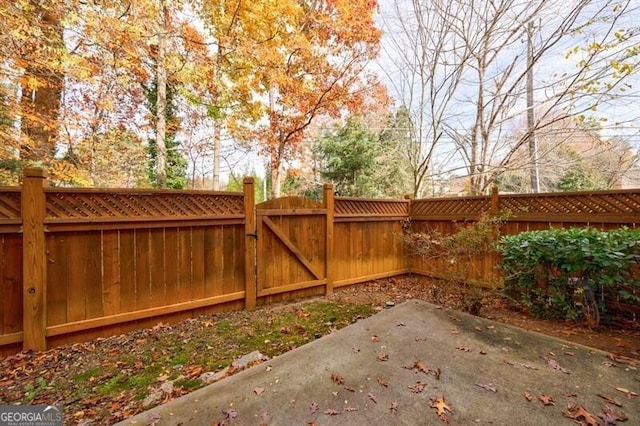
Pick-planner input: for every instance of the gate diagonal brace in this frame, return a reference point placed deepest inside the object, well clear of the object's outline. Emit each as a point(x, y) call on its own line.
point(292, 248)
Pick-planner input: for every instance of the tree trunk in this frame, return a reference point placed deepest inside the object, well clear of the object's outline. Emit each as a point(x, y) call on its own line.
point(276, 178)
point(217, 125)
point(161, 101)
point(41, 105)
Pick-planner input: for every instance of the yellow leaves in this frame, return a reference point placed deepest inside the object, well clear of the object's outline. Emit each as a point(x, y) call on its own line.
point(622, 68)
point(595, 47)
point(31, 82)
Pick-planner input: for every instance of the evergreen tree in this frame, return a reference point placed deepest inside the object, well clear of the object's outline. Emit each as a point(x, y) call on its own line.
point(176, 162)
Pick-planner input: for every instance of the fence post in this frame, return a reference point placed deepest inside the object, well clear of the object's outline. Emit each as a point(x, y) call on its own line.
point(495, 201)
point(34, 264)
point(407, 261)
point(250, 243)
point(329, 204)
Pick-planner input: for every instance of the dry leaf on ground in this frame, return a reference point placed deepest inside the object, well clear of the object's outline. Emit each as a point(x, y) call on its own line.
point(546, 399)
point(487, 386)
point(336, 378)
point(610, 400)
point(579, 413)
point(417, 387)
point(442, 408)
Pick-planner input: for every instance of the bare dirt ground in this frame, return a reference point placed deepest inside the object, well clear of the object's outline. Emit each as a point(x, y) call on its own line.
point(621, 338)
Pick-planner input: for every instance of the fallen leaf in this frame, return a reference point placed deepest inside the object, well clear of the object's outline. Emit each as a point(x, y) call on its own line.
point(350, 409)
point(313, 408)
point(372, 397)
point(303, 314)
point(230, 413)
point(336, 378)
point(394, 407)
point(610, 400)
point(455, 331)
point(610, 418)
point(285, 329)
point(569, 353)
point(383, 356)
point(436, 373)
point(192, 371)
point(476, 328)
point(617, 357)
point(530, 367)
point(417, 387)
point(527, 396)
point(349, 388)
point(579, 413)
point(331, 412)
point(555, 365)
point(154, 418)
point(487, 386)
point(264, 419)
point(441, 406)
point(375, 339)
point(355, 350)
point(258, 390)
point(400, 324)
point(463, 348)
point(483, 352)
point(546, 399)
point(421, 366)
point(418, 339)
point(382, 382)
point(628, 392)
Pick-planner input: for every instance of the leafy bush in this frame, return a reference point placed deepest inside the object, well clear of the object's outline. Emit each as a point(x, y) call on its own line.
point(544, 270)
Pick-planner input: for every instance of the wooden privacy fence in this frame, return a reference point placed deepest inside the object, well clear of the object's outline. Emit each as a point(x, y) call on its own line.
point(524, 212)
point(76, 264)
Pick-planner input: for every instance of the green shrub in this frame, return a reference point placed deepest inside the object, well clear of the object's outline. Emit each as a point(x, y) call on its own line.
point(544, 270)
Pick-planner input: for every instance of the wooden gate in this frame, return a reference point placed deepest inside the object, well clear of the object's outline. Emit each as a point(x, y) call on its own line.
point(293, 242)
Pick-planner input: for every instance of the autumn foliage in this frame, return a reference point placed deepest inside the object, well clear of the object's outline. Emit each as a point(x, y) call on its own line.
point(74, 73)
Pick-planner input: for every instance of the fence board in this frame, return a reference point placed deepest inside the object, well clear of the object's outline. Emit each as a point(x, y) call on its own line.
point(171, 267)
point(199, 256)
point(57, 279)
point(143, 273)
point(229, 280)
point(77, 261)
point(185, 265)
point(11, 283)
point(157, 268)
point(128, 266)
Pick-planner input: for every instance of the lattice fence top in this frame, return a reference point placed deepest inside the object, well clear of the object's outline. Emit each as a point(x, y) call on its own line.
point(9, 204)
point(600, 203)
point(462, 206)
point(64, 204)
point(356, 207)
point(290, 203)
